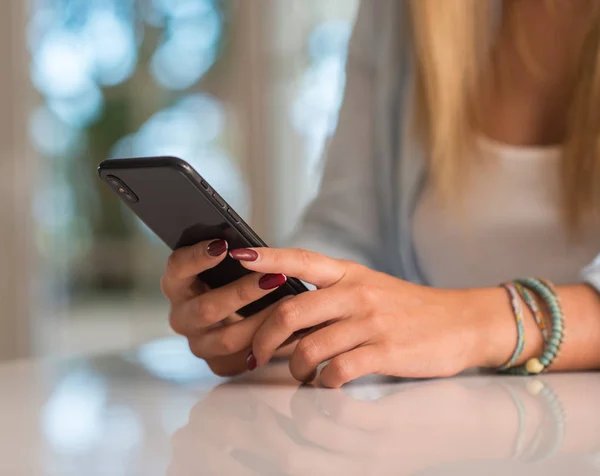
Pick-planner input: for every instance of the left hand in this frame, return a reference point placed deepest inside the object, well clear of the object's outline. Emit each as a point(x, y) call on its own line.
point(374, 323)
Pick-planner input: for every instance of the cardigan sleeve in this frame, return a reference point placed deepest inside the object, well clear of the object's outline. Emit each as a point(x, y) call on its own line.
point(342, 221)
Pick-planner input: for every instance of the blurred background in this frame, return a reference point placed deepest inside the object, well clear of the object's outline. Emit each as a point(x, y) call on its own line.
point(247, 91)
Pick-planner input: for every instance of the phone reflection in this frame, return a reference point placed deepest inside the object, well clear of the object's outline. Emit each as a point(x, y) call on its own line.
point(489, 425)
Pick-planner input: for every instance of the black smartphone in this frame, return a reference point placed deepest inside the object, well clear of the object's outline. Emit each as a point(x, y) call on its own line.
point(182, 209)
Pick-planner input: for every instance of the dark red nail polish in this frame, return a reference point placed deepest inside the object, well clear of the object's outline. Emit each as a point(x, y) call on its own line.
point(271, 281)
point(216, 248)
point(251, 361)
point(244, 254)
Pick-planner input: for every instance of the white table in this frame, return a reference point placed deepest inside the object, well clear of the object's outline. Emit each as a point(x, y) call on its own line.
point(157, 410)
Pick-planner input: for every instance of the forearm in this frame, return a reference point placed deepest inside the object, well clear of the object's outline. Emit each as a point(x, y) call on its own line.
point(581, 346)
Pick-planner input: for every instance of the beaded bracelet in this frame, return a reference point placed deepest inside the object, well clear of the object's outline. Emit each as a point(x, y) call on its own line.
point(529, 299)
point(548, 437)
point(544, 290)
point(518, 313)
point(519, 442)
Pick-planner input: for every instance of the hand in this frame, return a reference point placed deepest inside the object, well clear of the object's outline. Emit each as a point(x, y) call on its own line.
point(245, 427)
point(416, 426)
point(375, 323)
point(207, 317)
point(373, 427)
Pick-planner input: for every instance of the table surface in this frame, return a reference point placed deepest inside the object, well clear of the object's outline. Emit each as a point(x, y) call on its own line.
point(156, 410)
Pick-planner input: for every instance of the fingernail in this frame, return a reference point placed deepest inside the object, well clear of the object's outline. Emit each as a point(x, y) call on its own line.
point(244, 254)
point(216, 248)
point(271, 281)
point(251, 361)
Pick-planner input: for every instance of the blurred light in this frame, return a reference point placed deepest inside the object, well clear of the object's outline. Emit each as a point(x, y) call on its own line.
point(190, 48)
point(51, 136)
point(123, 430)
point(62, 66)
point(170, 359)
point(189, 130)
point(80, 110)
point(152, 15)
point(166, 132)
point(180, 8)
point(208, 113)
point(315, 110)
point(72, 417)
point(54, 205)
point(176, 68)
point(42, 21)
point(194, 121)
point(195, 30)
point(123, 148)
point(329, 39)
point(314, 113)
point(175, 413)
point(111, 42)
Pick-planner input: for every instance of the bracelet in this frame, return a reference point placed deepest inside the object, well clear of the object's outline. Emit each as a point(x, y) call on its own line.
point(548, 437)
point(529, 299)
point(544, 290)
point(519, 442)
point(518, 313)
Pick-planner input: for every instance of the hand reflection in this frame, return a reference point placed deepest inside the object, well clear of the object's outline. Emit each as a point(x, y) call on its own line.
point(246, 427)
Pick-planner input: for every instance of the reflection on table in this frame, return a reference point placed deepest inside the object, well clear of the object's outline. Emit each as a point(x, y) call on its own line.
point(159, 411)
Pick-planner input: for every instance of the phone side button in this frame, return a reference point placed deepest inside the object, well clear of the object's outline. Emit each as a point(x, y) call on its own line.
point(233, 215)
point(204, 185)
point(218, 199)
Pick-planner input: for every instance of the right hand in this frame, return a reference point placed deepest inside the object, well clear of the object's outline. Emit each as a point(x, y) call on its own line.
point(207, 317)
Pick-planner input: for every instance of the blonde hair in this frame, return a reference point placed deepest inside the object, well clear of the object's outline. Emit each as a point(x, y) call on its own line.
point(452, 40)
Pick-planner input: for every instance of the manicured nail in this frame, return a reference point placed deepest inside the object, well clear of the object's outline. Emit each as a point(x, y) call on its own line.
point(216, 248)
point(251, 361)
point(271, 281)
point(244, 254)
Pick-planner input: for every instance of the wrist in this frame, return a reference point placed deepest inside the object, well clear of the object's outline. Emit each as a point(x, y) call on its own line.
point(489, 315)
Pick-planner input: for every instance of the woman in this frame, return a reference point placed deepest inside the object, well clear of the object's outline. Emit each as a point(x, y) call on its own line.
point(466, 156)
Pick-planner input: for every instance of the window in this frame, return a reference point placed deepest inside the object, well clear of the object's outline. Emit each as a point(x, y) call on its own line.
point(246, 91)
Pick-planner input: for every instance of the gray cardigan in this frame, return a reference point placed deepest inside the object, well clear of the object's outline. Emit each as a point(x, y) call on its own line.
point(372, 180)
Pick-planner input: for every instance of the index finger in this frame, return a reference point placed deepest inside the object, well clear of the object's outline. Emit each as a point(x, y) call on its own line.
point(185, 264)
point(308, 266)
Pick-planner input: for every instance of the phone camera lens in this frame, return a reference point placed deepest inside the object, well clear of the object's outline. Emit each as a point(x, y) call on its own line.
point(121, 188)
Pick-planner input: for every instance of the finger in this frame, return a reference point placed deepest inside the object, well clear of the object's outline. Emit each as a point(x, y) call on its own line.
point(320, 429)
point(229, 339)
point(184, 265)
point(350, 366)
point(258, 432)
point(324, 345)
point(224, 366)
point(313, 268)
point(269, 438)
point(300, 312)
point(351, 412)
point(196, 315)
point(389, 411)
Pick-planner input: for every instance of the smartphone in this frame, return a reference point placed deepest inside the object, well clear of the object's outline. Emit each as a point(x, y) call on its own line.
point(182, 209)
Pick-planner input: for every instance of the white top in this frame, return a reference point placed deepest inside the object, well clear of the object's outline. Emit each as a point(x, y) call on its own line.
point(372, 177)
point(510, 225)
point(157, 410)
